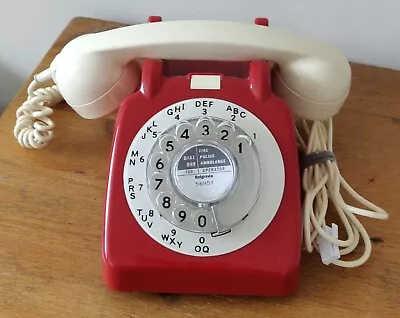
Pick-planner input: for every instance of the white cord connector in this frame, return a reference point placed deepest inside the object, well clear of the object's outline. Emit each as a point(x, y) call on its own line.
point(322, 183)
point(329, 252)
point(43, 76)
point(33, 127)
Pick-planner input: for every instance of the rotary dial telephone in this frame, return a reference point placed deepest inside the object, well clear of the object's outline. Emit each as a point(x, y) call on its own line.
point(204, 191)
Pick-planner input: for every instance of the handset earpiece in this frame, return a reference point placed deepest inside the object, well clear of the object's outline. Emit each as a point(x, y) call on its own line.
point(94, 85)
point(312, 88)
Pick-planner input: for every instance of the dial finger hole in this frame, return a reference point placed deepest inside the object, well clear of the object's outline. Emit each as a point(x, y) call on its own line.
point(158, 182)
point(158, 162)
point(205, 127)
point(242, 144)
point(184, 131)
point(226, 131)
point(204, 221)
point(181, 214)
point(166, 201)
point(167, 144)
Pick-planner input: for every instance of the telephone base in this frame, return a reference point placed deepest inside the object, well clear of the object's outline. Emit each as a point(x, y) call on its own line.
point(135, 260)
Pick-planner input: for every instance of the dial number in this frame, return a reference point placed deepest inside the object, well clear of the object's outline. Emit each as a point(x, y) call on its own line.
point(202, 221)
point(158, 182)
point(205, 127)
point(159, 164)
point(226, 131)
point(243, 144)
point(184, 130)
point(180, 213)
point(166, 200)
point(169, 146)
point(240, 147)
point(158, 161)
point(224, 134)
point(167, 143)
point(206, 130)
point(185, 134)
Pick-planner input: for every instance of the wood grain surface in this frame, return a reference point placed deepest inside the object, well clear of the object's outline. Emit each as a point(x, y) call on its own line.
point(51, 213)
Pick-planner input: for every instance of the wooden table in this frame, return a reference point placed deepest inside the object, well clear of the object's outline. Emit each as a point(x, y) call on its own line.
point(51, 213)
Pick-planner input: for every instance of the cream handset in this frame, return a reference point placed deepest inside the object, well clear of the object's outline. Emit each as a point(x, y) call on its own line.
point(95, 73)
point(314, 77)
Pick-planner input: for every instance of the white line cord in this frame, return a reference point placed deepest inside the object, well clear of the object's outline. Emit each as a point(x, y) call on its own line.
point(33, 127)
point(322, 183)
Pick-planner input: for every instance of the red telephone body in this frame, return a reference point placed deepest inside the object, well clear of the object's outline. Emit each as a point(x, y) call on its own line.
point(133, 261)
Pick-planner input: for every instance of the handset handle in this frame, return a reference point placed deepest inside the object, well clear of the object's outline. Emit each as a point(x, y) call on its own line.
point(313, 77)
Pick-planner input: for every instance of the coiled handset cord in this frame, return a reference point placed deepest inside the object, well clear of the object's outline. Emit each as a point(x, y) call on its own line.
point(321, 182)
point(33, 127)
